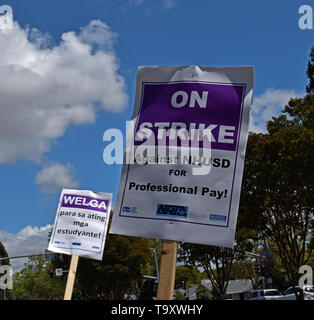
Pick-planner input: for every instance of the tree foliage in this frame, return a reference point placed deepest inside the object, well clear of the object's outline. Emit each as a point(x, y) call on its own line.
point(277, 195)
point(187, 276)
point(122, 266)
point(33, 282)
point(202, 293)
point(216, 262)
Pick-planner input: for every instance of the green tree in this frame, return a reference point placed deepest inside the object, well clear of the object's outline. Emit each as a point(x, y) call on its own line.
point(179, 295)
point(216, 262)
point(278, 184)
point(187, 276)
point(33, 282)
point(244, 269)
point(119, 271)
point(279, 169)
point(202, 293)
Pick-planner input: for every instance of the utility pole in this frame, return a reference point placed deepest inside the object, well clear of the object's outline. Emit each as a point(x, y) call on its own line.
point(156, 263)
point(267, 264)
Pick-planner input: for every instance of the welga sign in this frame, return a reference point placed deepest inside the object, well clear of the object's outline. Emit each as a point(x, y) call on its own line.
point(182, 174)
point(81, 223)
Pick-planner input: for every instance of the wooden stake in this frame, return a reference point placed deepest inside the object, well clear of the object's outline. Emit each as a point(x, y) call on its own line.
point(167, 270)
point(71, 277)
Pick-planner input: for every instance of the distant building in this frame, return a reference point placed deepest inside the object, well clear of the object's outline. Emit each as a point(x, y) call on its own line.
point(236, 288)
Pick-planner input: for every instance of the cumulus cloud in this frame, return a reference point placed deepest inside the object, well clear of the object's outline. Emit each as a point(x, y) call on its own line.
point(53, 177)
point(30, 240)
point(267, 105)
point(45, 88)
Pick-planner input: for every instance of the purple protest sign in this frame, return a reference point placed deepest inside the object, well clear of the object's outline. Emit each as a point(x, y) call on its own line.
point(190, 193)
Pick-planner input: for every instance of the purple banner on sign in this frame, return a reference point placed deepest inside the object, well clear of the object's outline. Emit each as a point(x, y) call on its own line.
point(83, 202)
point(215, 107)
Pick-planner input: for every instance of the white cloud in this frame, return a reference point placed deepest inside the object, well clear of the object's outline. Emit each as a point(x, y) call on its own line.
point(54, 177)
point(267, 105)
point(44, 88)
point(99, 33)
point(30, 240)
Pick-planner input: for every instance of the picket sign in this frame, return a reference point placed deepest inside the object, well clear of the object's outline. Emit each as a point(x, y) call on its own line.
point(80, 228)
point(166, 190)
point(184, 159)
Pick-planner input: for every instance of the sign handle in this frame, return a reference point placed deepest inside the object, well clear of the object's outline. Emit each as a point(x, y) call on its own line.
point(71, 277)
point(167, 270)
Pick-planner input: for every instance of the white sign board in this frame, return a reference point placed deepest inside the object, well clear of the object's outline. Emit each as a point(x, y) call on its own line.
point(202, 113)
point(59, 272)
point(81, 223)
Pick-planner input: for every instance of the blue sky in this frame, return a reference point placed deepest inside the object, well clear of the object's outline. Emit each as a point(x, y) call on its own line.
point(39, 156)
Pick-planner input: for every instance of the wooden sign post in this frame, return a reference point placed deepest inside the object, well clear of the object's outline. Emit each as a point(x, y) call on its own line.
point(71, 277)
point(167, 270)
